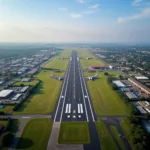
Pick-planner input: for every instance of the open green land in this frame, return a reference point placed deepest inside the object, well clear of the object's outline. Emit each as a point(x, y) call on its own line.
point(105, 100)
point(7, 109)
point(107, 141)
point(44, 97)
point(35, 135)
point(118, 138)
point(126, 127)
point(3, 122)
point(32, 83)
point(92, 62)
point(57, 63)
point(74, 133)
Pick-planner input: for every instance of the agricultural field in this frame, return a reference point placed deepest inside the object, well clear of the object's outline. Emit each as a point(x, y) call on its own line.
point(74, 133)
point(57, 63)
point(107, 141)
point(35, 135)
point(32, 83)
point(92, 62)
point(105, 100)
point(44, 97)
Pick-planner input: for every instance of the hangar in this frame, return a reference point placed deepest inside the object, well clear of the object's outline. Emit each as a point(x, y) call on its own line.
point(5, 93)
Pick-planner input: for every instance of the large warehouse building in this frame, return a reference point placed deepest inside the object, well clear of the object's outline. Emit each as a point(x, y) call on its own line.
point(5, 93)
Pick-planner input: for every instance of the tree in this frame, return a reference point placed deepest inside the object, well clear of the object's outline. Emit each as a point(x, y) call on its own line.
point(106, 73)
point(6, 139)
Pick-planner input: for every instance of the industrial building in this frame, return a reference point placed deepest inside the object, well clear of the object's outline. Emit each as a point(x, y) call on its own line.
point(139, 85)
point(24, 89)
point(131, 95)
point(6, 93)
point(16, 97)
point(119, 84)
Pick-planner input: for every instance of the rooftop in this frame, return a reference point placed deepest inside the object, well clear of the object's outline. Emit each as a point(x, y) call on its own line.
point(5, 93)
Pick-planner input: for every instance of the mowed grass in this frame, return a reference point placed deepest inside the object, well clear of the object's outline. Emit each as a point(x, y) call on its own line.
point(74, 133)
point(92, 62)
point(57, 63)
point(107, 141)
point(7, 109)
point(105, 100)
point(45, 96)
point(118, 138)
point(35, 135)
point(32, 83)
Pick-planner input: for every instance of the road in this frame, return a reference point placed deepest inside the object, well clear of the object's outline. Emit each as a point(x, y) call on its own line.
point(74, 103)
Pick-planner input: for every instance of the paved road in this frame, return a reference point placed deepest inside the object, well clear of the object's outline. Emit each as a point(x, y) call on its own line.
point(74, 103)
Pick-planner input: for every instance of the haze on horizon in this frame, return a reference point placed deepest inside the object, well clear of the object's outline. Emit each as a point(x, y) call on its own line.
point(74, 21)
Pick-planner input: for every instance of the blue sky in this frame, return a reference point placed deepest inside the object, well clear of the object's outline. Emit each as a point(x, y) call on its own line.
point(75, 21)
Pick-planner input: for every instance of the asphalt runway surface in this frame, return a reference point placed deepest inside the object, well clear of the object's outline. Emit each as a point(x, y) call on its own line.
point(74, 102)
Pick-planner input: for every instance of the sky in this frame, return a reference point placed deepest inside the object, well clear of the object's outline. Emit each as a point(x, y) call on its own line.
point(75, 21)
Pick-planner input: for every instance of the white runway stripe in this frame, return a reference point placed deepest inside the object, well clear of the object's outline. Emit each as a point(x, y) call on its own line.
point(69, 109)
point(66, 109)
point(81, 107)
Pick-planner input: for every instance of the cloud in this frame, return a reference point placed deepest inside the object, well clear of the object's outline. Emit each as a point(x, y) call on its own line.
point(74, 15)
point(81, 1)
point(62, 9)
point(136, 2)
point(94, 6)
point(145, 13)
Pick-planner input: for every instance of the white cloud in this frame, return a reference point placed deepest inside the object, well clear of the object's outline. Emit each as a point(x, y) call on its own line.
point(142, 15)
point(74, 15)
point(94, 6)
point(62, 9)
point(136, 2)
point(81, 1)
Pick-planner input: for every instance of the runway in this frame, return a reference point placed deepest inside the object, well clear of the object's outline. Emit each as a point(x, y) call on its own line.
point(74, 102)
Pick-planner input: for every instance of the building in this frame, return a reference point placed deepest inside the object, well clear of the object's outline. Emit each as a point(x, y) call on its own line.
point(139, 85)
point(16, 97)
point(24, 89)
point(141, 78)
point(99, 67)
point(119, 84)
point(26, 80)
point(6, 93)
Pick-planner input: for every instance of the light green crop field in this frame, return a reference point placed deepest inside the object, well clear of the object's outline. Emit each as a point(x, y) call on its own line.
point(105, 100)
point(74, 133)
point(33, 82)
point(91, 62)
point(57, 63)
point(107, 141)
point(35, 135)
point(45, 96)
point(118, 138)
point(125, 125)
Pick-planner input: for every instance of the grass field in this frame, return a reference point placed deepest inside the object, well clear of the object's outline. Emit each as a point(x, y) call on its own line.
point(44, 98)
point(3, 122)
point(105, 100)
point(107, 141)
point(118, 138)
point(125, 125)
point(35, 135)
point(74, 133)
point(57, 63)
point(7, 109)
point(34, 82)
point(92, 62)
